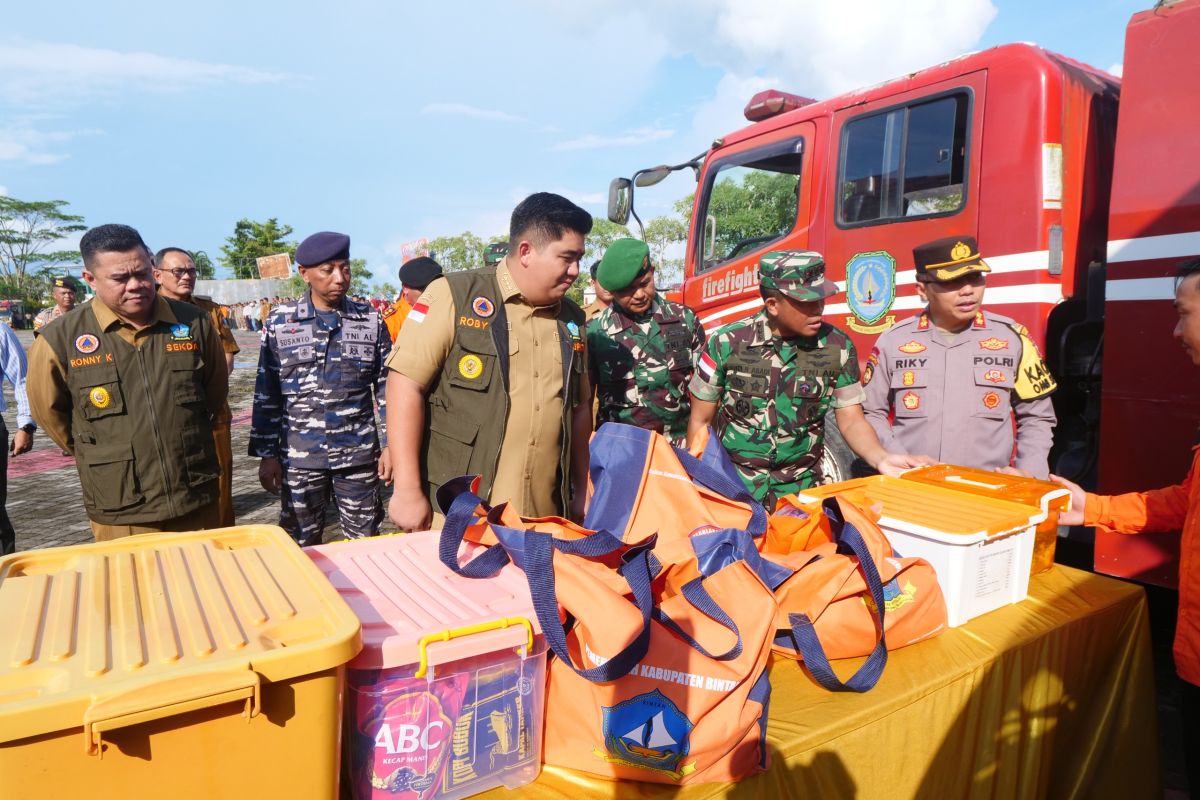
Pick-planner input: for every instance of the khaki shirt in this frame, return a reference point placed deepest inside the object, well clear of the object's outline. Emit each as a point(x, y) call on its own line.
point(50, 397)
point(593, 309)
point(956, 398)
point(527, 472)
point(217, 315)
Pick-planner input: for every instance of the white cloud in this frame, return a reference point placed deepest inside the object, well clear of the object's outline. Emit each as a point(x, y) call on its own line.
point(464, 110)
point(593, 141)
point(3, 191)
point(25, 144)
point(35, 71)
point(1117, 69)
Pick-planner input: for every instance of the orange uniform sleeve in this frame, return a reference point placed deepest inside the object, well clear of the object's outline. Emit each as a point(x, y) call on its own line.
point(1155, 511)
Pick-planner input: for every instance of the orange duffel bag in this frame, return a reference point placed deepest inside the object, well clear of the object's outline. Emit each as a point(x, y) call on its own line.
point(646, 683)
point(827, 607)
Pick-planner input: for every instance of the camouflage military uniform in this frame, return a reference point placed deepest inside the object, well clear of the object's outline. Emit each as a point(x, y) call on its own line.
point(641, 366)
point(772, 395)
point(313, 410)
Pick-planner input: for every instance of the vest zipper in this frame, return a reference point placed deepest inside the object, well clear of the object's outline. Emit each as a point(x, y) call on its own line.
point(157, 434)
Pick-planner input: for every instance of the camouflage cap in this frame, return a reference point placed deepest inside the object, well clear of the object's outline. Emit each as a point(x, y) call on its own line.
point(799, 274)
point(624, 261)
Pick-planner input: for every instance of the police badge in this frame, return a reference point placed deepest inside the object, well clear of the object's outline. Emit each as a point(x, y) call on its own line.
point(870, 291)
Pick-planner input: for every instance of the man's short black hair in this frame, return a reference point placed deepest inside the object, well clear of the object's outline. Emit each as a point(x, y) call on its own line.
point(110, 238)
point(161, 254)
point(1185, 270)
point(544, 217)
point(595, 268)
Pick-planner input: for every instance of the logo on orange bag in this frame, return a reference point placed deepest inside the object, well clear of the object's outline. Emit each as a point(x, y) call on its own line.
point(893, 596)
point(912, 347)
point(993, 344)
point(994, 376)
point(991, 400)
point(911, 400)
point(648, 731)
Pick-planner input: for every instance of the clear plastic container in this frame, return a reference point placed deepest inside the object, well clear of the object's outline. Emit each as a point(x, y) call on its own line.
point(447, 698)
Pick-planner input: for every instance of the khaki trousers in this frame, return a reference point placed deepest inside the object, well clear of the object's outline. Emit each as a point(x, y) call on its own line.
point(202, 518)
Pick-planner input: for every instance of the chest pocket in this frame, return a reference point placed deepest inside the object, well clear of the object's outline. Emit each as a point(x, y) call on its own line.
point(993, 392)
point(809, 394)
point(187, 384)
point(358, 341)
point(98, 392)
point(295, 364)
point(470, 370)
point(752, 379)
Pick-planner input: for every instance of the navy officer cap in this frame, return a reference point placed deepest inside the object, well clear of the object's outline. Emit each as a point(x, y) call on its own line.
point(322, 247)
point(419, 272)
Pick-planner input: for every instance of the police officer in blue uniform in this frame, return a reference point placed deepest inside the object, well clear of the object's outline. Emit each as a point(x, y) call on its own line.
point(320, 373)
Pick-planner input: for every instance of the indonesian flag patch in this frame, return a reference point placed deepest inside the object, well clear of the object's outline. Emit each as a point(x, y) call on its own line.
point(418, 313)
point(707, 366)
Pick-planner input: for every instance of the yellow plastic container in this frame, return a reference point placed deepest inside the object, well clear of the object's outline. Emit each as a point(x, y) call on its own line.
point(179, 665)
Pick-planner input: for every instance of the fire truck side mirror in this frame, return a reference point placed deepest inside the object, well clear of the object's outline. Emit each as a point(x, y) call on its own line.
point(619, 197)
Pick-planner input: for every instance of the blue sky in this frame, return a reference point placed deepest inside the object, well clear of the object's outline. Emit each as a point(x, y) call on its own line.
point(393, 121)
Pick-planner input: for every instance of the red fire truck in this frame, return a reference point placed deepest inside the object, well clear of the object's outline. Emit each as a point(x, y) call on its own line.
point(1081, 211)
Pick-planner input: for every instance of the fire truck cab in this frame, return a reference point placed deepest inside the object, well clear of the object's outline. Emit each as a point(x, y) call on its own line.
point(1015, 146)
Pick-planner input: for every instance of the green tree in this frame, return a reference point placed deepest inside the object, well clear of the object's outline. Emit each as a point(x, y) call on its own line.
point(205, 270)
point(759, 204)
point(28, 232)
point(454, 253)
point(663, 234)
point(252, 240)
point(386, 290)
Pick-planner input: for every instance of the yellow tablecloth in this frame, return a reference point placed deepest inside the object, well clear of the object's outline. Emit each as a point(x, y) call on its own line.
point(1052, 697)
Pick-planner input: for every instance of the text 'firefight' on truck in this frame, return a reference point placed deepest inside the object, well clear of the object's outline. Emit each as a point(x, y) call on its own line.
point(1082, 189)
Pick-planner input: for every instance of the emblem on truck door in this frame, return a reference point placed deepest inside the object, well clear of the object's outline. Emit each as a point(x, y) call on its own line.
point(870, 291)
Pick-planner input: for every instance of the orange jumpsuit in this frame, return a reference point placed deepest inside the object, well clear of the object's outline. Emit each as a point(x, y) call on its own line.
point(1173, 508)
point(394, 318)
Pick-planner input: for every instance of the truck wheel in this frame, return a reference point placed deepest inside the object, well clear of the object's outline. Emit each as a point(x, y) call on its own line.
point(838, 460)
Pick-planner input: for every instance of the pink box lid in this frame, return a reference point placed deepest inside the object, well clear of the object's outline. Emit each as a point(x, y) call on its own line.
point(402, 592)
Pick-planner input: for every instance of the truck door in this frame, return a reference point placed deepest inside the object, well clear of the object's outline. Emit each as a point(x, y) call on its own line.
point(753, 197)
point(905, 171)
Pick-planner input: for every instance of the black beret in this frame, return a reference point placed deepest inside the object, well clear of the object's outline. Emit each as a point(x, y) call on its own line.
point(419, 272)
point(322, 247)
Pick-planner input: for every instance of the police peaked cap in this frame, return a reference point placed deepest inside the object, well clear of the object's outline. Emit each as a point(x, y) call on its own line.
point(322, 247)
point(948, 258)
point(419, 272)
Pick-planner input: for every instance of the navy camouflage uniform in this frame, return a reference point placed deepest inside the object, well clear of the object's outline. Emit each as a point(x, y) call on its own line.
point(313, 410)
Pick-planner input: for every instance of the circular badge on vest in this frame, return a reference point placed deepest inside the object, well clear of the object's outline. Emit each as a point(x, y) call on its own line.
point(100, 397)
point(470, 367)
point(742, 407)
point(87, 343)
point(991, 400)
point(483, 307)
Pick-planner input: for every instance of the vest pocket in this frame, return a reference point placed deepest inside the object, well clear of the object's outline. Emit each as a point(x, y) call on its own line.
point(451, 442)
point(112, 481)
point(101, 400)
point(471, 370)
point(199, 455)
point(185, 383)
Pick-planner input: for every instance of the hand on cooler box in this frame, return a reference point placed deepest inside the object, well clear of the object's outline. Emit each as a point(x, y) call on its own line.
point(1078, 497)
point(896, 464)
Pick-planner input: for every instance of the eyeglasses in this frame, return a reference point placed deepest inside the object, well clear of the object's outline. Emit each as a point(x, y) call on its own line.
point(182, 273)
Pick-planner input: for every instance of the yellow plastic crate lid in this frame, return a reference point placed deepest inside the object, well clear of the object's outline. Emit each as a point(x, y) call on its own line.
point(136, 627)
point(1046, 495)
point(931, 510)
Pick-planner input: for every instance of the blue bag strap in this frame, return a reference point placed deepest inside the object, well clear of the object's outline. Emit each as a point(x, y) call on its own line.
point(458, 503)
point(725, 483)
point(716, 550)
point(539, 572)
point(694, 592)
point(805, 634)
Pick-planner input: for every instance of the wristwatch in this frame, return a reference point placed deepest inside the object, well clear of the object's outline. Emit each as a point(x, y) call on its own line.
point(29, 428)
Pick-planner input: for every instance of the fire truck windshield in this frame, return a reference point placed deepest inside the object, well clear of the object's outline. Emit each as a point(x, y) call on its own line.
point(749, 201)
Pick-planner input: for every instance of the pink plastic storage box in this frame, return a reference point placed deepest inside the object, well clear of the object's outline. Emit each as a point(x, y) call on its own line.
point(446, 698)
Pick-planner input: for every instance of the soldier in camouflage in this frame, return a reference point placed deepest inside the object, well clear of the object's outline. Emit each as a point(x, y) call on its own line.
point(642, 349)
point(313, 425)
point(765, 384)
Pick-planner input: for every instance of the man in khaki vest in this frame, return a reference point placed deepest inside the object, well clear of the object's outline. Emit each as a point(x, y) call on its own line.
point(129, 384)
point(176, 275)
point(489, 376)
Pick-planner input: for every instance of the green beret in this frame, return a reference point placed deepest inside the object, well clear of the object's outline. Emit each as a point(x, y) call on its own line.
point(624, 261)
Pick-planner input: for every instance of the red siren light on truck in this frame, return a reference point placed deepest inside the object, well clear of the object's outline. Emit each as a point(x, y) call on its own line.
point(769, 103)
